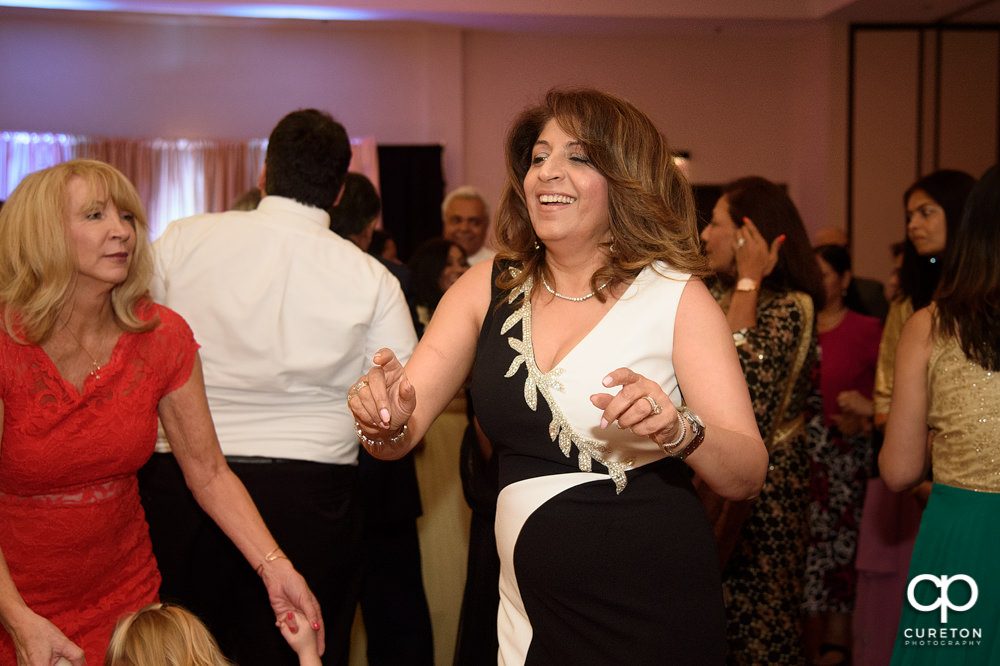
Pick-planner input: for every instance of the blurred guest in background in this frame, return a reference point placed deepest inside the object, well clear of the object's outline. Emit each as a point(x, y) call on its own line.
point(436, 265)
point(946, 384)
point(865, 296)
point(933, 207)
point(841, 455)
point(466, 220)
point(393, 604)
point(769, 286)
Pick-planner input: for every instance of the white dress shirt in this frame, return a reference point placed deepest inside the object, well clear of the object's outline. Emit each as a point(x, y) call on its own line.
point(288, 315)
point(482, 254)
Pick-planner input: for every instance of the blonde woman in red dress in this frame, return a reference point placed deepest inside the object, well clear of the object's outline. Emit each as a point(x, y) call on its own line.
point(87, 363)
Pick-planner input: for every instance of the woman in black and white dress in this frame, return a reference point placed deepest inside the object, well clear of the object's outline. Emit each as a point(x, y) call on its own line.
point(601, 363)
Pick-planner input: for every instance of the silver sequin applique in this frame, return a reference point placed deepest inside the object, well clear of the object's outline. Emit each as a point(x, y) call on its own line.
point(545, 383)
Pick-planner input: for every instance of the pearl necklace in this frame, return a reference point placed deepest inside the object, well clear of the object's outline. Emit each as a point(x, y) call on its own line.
point(575, 299)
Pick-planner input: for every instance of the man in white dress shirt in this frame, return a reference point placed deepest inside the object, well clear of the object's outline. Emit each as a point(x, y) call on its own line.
point(466, 219)
point(288, 315)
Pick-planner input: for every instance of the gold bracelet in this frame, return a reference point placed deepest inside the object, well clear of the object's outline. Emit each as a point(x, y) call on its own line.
point(271, 557)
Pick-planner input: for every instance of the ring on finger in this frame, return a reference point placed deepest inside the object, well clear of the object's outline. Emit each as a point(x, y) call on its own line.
point(360, 385)
point(653, 405)
point(740, 242)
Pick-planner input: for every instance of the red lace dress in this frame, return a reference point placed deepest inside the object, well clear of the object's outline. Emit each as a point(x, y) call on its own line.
point(72, 529)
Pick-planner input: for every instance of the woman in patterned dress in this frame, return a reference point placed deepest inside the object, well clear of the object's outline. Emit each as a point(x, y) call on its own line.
point(87, 363)
point(841, 459)
point(769, 286)
point(580, 383)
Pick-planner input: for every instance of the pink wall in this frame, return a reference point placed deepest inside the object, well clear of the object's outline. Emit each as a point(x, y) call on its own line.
point(765, 98)
point(751, 102)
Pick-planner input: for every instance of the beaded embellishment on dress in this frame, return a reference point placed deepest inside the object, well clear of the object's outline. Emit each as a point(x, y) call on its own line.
point(545, 383)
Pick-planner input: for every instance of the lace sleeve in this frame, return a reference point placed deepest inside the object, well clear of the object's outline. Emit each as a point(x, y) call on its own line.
point(174, 350)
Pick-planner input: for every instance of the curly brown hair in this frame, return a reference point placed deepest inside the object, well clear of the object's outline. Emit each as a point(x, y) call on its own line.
point(651, 209)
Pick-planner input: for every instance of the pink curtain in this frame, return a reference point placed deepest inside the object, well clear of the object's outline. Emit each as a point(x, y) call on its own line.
point(175, 178)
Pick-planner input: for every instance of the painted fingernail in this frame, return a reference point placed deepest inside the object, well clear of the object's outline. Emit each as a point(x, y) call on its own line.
point(291, 615)
point(607, 381)
point(781, 238)
point(384, 413)
point(316, 626)
point(745, 219)
point(604, 423)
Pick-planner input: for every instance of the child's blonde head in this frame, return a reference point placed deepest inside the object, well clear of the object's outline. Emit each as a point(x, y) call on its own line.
point(163, 635)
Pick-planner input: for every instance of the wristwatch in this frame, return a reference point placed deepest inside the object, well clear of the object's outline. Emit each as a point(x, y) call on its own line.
point(697, 427)
point(747, 284)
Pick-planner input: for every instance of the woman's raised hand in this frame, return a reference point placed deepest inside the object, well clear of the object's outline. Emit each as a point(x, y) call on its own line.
point(383, 400)
point(640, 406)
point(755, 259)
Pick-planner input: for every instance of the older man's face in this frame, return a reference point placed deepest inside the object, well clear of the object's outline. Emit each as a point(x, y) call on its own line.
point(465, 223)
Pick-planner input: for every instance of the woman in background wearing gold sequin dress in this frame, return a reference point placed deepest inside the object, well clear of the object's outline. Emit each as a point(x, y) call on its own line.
point(947, 382)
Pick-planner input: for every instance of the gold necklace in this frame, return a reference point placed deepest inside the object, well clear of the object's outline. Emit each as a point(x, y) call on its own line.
point(95, 366)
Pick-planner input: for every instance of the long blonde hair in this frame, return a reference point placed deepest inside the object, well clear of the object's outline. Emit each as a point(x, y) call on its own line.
point(163, 635)
point(37, 263)
point(651, 208)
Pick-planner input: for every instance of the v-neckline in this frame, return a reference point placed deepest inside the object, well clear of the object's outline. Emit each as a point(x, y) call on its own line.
point(91, 377)
point(529, 336)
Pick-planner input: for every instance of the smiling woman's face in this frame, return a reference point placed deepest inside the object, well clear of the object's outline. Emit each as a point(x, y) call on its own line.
point(567, 197)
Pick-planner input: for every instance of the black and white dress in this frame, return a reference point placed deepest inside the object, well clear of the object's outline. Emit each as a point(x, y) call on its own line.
point(607, 556)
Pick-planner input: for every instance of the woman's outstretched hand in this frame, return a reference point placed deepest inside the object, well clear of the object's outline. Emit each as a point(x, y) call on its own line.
point(640, 406)
point(383, 400)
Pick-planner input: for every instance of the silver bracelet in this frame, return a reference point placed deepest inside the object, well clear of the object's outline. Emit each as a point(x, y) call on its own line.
point(667, 446)
point(376, 443)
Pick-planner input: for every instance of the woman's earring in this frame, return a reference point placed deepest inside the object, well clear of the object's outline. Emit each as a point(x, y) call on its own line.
point(537, 246)
point(611, 248)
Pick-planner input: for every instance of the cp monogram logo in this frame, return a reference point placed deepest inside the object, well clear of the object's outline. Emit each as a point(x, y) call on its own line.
point(943, 602)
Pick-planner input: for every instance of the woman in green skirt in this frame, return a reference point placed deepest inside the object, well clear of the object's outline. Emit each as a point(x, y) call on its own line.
point(947, 380)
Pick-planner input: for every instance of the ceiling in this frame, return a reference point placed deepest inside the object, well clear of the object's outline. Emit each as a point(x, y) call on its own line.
point(560, 15)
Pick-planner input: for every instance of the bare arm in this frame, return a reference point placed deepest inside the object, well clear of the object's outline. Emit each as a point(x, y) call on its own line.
point(442, 360)
point(733, 460)
point(188, 423)
point(905, 457)
point(37, 641)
